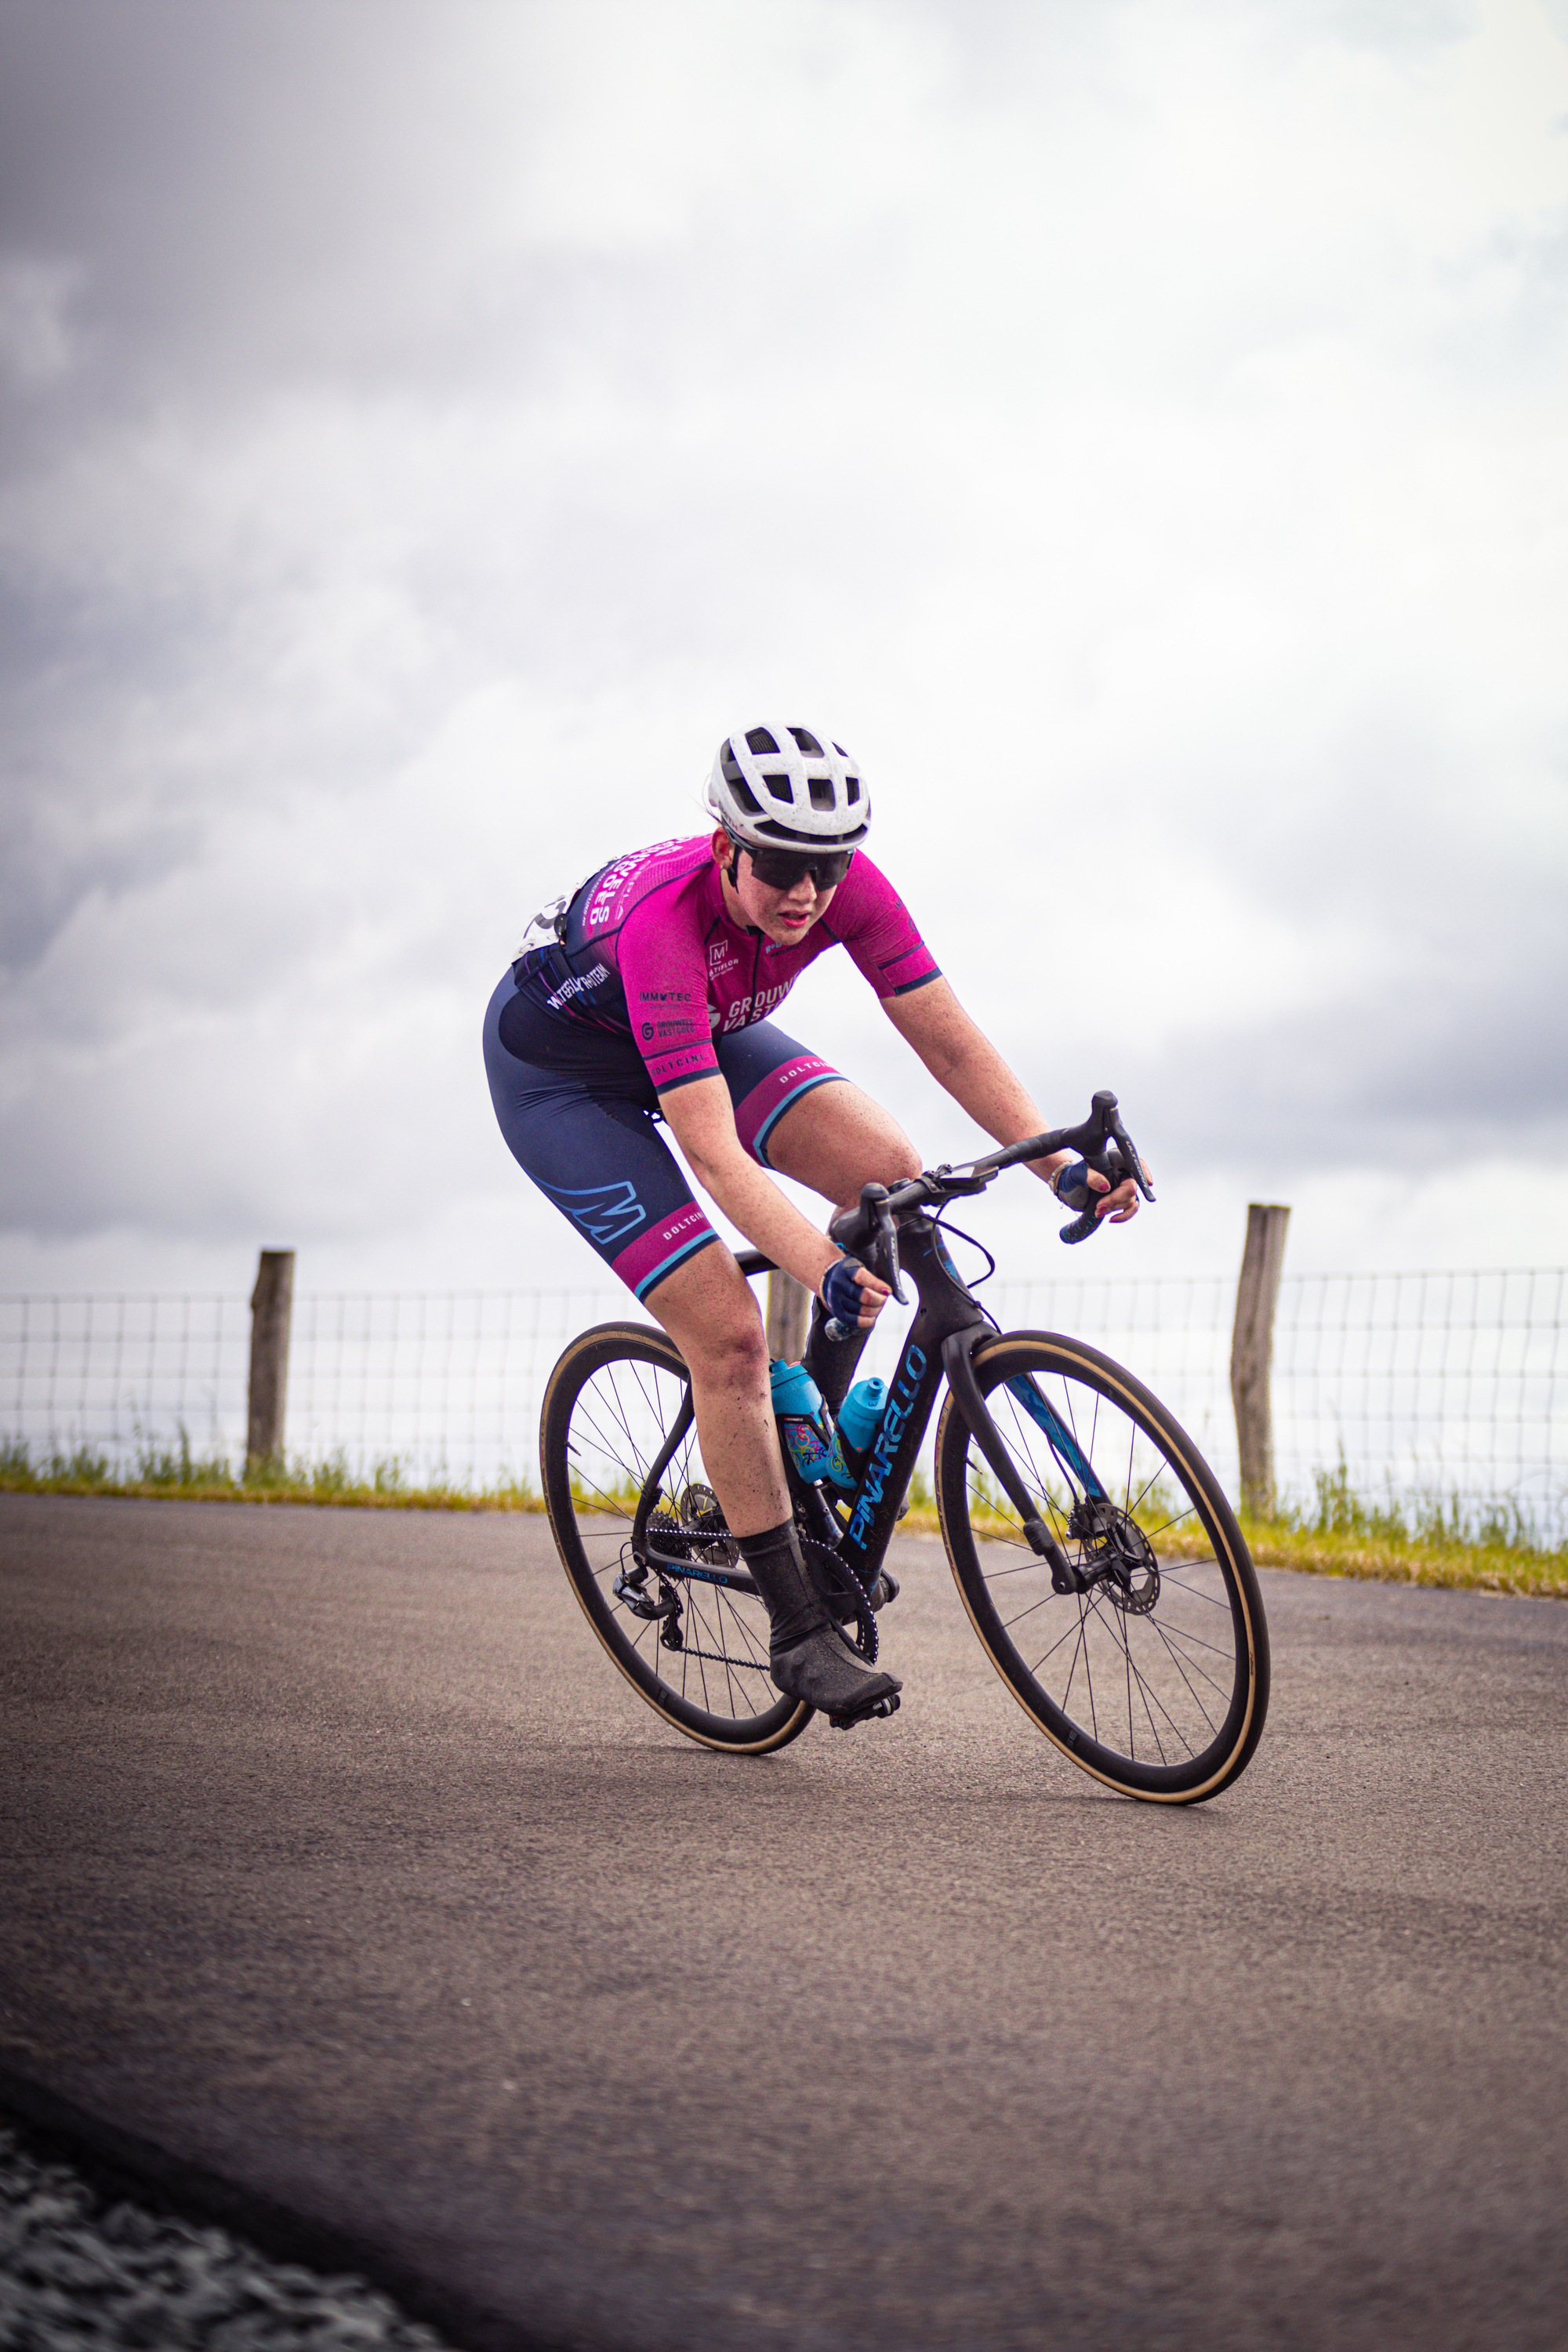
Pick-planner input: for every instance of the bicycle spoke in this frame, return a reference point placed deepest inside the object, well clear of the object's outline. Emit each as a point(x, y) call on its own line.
point(614, 1401)
point(1141, 1670)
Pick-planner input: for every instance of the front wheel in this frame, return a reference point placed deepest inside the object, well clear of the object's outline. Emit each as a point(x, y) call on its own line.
point(688, 1641)
point(1153, 1673)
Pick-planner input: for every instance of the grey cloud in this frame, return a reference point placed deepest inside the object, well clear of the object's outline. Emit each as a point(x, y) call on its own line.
point(1419, 1072)
point(241, 184)
point(602, 469)
point(1407, 26)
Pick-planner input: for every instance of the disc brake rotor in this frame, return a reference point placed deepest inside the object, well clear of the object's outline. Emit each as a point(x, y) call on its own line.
point(1118, 1557)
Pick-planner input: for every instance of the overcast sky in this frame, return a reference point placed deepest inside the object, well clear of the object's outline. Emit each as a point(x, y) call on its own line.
point(1140, 429)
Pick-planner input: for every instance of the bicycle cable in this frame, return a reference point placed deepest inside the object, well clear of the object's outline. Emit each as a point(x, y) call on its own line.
point(960, 1235)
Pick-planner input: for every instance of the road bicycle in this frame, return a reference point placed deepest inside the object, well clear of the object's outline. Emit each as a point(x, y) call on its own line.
point(1098, 1561)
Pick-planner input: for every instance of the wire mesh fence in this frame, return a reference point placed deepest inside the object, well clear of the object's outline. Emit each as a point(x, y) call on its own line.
point(122, 1376)
point(1448, 1386)
point(1421, 1394)
point(1445, 1388)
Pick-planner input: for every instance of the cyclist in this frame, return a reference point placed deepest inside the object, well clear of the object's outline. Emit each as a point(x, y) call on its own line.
point(646, 997)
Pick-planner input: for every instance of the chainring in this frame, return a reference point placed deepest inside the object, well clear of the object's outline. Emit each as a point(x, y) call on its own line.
point(844, 1595)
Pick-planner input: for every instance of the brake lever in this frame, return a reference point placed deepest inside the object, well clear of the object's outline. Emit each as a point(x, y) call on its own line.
point(888, 1243)
point(1129, 1154)
point(1108, 1118)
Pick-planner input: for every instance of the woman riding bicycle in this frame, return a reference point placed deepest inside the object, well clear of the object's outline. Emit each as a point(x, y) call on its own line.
point(649, 1001)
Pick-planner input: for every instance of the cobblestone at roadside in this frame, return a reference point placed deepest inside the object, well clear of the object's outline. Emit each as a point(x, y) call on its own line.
point(79, 2273)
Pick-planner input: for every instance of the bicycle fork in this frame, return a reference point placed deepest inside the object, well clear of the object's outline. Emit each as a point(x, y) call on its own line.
point(956, 1354)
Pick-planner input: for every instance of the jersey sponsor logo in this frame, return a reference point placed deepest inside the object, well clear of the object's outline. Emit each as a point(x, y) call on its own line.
point(606, 1213)
point(652, 1029)
point(879, 1466)
point(664, 997)
point(578, 985)
point(747, 1009)
point(612, 876)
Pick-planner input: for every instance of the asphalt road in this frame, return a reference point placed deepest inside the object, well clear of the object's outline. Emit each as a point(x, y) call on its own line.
point(341, 1868)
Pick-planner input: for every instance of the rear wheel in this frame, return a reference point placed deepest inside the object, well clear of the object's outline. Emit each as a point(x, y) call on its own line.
point(1154, 1676)
point(696, 1649)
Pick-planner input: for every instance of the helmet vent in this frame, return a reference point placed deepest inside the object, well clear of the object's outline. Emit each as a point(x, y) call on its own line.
point(789, 784)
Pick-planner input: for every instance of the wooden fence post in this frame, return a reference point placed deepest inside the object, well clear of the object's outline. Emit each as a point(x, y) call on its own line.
point(1252, 1352)
point(789, 1315)
point(271, 1305)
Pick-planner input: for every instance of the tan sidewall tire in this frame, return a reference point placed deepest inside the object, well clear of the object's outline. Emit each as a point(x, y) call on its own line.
point(592, 1351)
point(1245, 1725)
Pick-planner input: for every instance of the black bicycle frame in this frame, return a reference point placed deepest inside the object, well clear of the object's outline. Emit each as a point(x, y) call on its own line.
point(947, 1328)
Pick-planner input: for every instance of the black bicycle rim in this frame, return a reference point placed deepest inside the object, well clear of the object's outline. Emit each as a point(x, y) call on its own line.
point(1154, 1682)
point(611, 1404)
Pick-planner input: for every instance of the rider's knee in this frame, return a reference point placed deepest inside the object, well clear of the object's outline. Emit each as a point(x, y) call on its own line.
point(890, 1158)
point(716, 1322)
point(733, 1346)
point(905, 1159)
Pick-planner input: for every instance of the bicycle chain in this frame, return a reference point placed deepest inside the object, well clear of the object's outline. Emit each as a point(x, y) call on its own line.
point(836, 1580)
point(841, 1575)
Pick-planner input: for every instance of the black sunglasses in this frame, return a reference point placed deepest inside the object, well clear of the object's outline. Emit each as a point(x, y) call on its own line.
point(781, 869)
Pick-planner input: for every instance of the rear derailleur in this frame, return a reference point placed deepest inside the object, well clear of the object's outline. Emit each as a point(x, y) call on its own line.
point(695, 1532)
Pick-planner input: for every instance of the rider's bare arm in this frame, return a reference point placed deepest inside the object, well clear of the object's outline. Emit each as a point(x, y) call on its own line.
point(702, 1120)
point(966, 1065)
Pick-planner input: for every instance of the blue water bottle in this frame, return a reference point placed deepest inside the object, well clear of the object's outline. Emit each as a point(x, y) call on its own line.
point(803, 1425)
point(859, 1419)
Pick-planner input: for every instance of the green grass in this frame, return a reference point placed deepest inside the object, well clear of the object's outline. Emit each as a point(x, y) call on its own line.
point(1430, 1541)
point(1427, 1538)
point(178, 1473)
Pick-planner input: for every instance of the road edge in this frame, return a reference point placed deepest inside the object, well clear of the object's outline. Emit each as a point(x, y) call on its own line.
point(124, 2166)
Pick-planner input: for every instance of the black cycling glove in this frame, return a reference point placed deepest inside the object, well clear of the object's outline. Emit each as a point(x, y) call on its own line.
point(841, 1291)
point(1071, 1185)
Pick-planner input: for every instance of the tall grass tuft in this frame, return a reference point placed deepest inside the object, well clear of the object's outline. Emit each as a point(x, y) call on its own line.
point(177, 1472)
point(1427, 1537)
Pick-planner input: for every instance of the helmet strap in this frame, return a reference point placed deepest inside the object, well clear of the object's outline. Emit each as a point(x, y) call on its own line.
point(753, 931)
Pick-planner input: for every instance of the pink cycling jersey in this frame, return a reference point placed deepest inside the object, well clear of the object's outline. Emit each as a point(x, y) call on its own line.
point(646, 948)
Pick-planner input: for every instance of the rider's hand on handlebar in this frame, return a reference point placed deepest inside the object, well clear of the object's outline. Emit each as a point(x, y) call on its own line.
point(1076, 1184)
point(852, 1294)
point(1120, 1201)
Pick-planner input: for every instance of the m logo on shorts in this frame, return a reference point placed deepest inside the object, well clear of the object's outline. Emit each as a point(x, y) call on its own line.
point(606, 1213)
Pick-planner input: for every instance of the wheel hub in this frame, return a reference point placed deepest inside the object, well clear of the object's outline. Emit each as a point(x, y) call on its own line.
point(1116, 1555)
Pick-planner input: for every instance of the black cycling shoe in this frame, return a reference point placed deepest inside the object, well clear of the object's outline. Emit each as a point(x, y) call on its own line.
point(824, 1670)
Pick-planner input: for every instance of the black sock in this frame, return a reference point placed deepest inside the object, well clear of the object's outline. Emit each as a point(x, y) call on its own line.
point(831, 1362)
point(780, 1574)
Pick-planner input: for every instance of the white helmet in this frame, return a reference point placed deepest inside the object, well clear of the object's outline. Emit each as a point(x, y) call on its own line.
point(788, 788)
